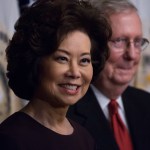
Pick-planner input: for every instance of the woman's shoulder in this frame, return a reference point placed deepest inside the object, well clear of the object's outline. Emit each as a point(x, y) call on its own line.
point(80, 130)
point(83, 135)
point(15, 123)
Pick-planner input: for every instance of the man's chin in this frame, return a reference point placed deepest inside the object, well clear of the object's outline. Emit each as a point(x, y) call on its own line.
point(124, 80)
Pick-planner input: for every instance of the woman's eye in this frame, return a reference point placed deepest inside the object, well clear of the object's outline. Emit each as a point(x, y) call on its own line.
point(85, 61)
point(61, 59)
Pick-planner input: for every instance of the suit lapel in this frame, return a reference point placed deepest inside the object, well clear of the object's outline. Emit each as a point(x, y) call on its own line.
point(136, 104)
point(135, 118)
point(95, 121)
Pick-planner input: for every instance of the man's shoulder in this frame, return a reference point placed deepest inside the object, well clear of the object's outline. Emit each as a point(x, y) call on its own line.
point(136, 96)
point(133, 91)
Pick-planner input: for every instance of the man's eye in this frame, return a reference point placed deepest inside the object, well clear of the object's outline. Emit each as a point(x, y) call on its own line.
point(138, 41)
point(120, 40)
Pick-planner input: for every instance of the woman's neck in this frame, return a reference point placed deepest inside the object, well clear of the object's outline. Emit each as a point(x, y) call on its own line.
point(49, 116)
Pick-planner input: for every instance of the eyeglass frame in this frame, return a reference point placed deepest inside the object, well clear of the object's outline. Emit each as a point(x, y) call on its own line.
point(127, 42)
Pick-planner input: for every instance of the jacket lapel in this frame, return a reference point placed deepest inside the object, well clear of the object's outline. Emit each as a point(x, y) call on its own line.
point(138, 123)
point(90, 115)
point(136, 104)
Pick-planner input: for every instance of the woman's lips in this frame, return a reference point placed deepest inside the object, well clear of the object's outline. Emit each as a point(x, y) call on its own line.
point(70, 89)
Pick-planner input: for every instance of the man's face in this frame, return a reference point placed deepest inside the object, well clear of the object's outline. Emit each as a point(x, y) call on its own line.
point(122, 64)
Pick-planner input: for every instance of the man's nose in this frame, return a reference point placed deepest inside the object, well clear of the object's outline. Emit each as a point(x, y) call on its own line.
point(131, 51)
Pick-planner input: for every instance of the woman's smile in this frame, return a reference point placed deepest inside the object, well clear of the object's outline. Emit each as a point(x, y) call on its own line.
point(70, 89)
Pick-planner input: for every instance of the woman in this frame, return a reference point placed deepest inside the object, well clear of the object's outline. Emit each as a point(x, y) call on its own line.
point(50, 64)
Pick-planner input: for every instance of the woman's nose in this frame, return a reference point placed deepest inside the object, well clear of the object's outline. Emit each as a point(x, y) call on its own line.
point(73, 70)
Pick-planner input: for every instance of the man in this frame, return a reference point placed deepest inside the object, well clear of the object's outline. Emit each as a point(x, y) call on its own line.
point(92, 111)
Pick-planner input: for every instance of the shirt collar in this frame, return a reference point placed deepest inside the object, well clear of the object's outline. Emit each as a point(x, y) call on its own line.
point(103, 100)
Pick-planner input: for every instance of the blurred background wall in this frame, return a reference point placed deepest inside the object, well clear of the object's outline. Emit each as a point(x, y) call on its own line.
point(9, 12)
point(142, 79)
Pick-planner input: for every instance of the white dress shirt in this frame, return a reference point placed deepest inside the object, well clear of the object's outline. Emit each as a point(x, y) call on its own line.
point(104, 101)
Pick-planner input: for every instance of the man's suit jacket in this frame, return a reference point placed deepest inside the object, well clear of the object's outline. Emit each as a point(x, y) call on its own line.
point(137, 108)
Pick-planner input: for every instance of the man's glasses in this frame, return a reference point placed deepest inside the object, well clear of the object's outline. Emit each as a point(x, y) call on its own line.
point(121, 44)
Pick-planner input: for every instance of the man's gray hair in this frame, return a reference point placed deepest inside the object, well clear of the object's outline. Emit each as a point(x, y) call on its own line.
point(109, 7)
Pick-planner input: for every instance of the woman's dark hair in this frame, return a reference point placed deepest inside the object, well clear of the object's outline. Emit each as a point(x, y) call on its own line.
point(40, 30)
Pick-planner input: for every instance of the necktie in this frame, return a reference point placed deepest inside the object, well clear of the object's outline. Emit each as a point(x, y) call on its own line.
point(120, 131)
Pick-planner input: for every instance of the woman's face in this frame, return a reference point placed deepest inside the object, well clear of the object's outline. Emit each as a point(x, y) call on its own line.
point(66, 74)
